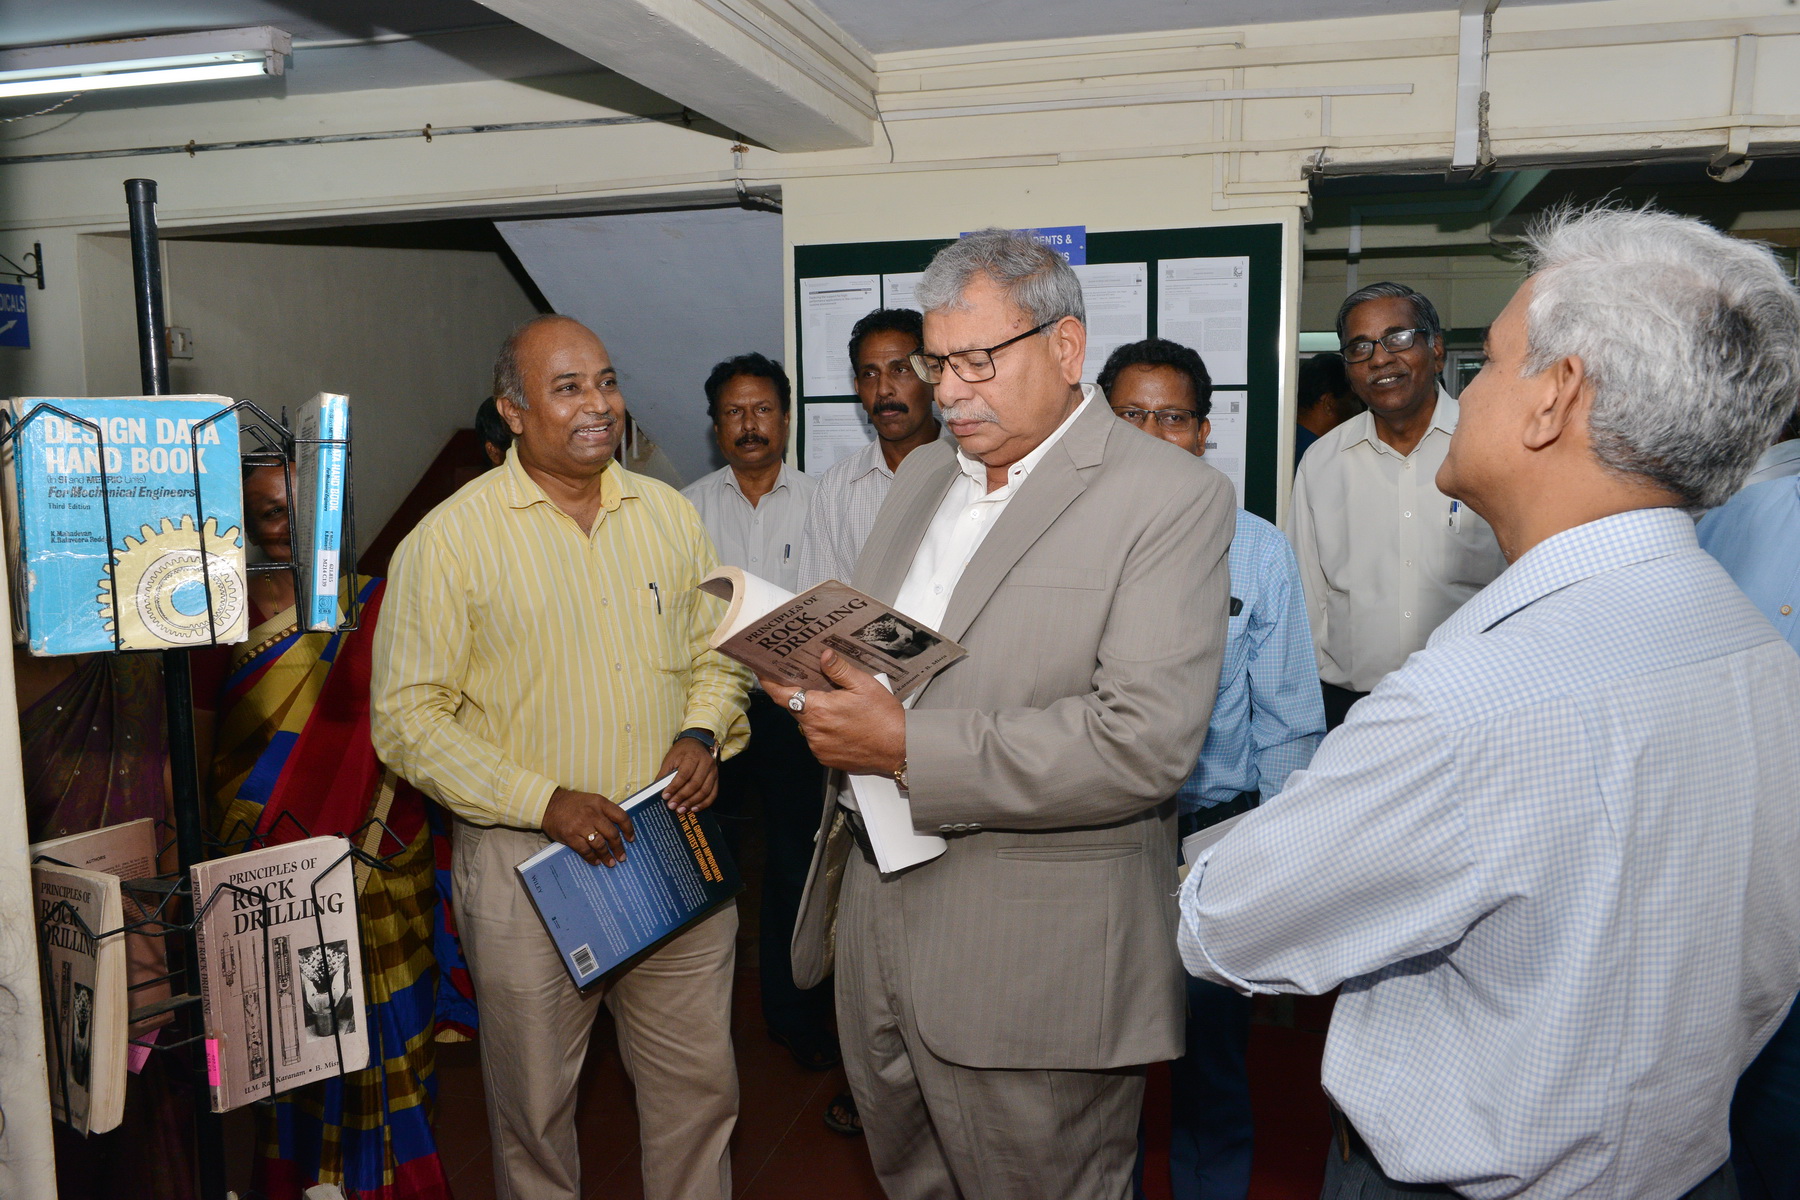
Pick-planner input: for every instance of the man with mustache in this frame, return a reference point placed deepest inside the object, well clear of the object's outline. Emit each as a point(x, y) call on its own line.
point(1384, 555)
point(542, 654)
point(999, 1002)
point(755, 508)
point(898, 404)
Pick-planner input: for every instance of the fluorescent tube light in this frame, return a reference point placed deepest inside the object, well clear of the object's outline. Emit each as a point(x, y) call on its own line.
point(144, 62)
point(125, 79)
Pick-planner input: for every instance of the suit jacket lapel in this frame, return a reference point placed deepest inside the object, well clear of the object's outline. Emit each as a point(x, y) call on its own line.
point(1050, 489)
point(917, 490)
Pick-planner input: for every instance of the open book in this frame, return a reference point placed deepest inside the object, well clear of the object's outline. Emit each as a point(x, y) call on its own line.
point(780, 635)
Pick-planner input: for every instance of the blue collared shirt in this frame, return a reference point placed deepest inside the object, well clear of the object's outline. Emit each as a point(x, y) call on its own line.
point(1269, 716)
point(1756, 537)
point(1550, 860)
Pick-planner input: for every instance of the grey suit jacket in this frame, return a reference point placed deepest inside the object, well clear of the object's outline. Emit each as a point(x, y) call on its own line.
point(1094, 615)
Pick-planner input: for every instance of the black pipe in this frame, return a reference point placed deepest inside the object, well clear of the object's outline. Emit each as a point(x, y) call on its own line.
point(178, 679)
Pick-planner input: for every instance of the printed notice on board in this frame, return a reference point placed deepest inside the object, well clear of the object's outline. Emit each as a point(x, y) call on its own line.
point(1225, 444)
point(828, 308)
point(897, 290)
point(1118, 309)
point(1205, 303)
point(833, 432)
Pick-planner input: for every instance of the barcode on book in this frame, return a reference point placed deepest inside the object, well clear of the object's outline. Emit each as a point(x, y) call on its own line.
point(583, 958)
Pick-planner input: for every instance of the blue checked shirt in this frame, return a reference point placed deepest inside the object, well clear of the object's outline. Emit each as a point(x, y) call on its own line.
point(1550, 860)
point(1269, 716)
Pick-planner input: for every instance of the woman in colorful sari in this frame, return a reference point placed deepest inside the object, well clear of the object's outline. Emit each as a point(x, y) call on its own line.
point(292, 758)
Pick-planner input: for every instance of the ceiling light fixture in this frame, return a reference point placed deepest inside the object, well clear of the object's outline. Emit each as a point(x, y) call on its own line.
point(144, 61)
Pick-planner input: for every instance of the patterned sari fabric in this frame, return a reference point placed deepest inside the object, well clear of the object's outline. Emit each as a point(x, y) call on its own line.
point(294, 759)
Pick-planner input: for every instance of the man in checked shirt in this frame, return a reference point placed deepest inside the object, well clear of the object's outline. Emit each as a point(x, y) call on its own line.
point(1551, 859)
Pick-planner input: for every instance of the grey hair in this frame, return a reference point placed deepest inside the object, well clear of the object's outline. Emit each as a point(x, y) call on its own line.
point(508, 383)
point(1690, 341)
point(1033, 276)
point(1425, 314)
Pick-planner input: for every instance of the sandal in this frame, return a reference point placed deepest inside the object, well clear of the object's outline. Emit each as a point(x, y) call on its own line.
point(841, 1116)
point(815, 1052)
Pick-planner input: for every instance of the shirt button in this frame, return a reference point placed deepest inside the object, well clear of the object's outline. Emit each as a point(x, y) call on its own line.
point(628, 727)
point(621, 666)
point(1407, 615)
point(1409, 562)
point(603, 602)
point(1787, 610)
point(938, 590)
point(1406, 514)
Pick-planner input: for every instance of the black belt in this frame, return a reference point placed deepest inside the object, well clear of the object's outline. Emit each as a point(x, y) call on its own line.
point(1193, 822)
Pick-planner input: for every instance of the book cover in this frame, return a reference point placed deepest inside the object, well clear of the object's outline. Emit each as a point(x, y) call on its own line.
point(126, 851)
point(85, 1002)
point(780, 635)
point(281, 981)
point(676, 872)
point(319, 506)
point(89, 561)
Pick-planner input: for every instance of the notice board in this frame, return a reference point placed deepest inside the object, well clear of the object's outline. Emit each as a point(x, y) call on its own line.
point(1186, 291)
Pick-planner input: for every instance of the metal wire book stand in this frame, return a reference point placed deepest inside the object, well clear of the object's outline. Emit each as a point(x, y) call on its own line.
point(170, 908)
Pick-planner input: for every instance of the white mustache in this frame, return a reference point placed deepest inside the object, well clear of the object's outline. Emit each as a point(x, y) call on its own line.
point(968, 410)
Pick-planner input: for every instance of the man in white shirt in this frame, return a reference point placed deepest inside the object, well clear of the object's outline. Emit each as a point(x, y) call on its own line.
point(1550, 860)
point(755, 509)
point(1384, 555)
point(898, 404)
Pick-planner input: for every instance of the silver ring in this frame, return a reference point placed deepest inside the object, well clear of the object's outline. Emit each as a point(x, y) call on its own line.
point(593, 836)
point(797, 701)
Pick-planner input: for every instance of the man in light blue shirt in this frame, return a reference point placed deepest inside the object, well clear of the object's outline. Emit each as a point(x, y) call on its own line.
point(1756, 537)
point(1550, 859)
point(1266, 722)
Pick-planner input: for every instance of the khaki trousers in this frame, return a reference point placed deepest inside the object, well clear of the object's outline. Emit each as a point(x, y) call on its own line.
point(940, 1131)
point(673, 1012)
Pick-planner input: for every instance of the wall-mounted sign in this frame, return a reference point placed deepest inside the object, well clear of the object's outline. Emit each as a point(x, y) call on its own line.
point(1070, 241)
point(15, 328)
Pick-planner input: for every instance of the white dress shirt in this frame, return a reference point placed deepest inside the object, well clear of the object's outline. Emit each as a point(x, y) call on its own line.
point(1551, 862)
point(1384, 556)
point(961, 524)
point(762, 538)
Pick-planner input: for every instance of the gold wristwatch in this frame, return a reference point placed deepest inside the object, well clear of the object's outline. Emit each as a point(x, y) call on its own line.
point(900, 776)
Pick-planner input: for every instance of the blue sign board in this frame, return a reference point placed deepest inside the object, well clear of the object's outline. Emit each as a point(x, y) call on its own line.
point(1070, 241)
point(15, 330)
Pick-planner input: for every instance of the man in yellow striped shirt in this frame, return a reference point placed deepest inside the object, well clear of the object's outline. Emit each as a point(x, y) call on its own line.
point(542, 648)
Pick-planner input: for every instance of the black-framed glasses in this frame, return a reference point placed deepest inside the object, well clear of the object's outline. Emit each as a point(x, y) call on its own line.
point(1174, 419)
point(1362, 349)
point(971, 366)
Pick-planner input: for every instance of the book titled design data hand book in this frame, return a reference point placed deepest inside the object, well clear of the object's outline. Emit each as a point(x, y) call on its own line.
point(280, 1008)
point(85, 1002)
point(676, 872)
point(106, 534)
point(319, 506)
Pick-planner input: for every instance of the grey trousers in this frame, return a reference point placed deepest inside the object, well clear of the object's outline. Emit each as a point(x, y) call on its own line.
point(673, 1012)
point(939, 1131)
point(1360, 1178)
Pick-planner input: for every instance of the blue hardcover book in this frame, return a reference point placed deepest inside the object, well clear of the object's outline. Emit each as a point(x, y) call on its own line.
point(319, 506)
point(676, 872)
point(137, 557)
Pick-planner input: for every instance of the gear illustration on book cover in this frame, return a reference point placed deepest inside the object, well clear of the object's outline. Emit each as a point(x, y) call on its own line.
point(162, 596)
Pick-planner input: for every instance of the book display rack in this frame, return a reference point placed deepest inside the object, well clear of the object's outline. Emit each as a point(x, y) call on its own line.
point(167, 904)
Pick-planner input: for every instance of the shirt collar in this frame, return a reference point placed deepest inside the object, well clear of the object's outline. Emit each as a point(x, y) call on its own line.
point(1443, 419)
point(1570, 557)
point(782, 480)
point(522, 491)
point(1016, 474)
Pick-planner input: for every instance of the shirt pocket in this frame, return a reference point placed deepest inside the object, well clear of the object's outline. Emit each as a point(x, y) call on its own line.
point(667, 614)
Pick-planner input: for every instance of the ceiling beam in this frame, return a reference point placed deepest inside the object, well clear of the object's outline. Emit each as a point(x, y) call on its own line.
point(778, 72)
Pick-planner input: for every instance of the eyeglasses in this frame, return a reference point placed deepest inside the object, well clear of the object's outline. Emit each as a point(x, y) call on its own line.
point(1173, 419)
point(971, 366)
point(1362, 349)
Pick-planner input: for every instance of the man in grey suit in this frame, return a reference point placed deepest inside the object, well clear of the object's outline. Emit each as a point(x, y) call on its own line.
point(997, 1004)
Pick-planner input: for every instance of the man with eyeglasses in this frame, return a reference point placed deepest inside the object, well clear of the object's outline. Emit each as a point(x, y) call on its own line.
point(998, 1004)
point(1385, 556)
point(898, 405)
point(1266, 723)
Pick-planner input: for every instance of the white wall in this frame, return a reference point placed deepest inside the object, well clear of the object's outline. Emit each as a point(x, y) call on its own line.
point(408, 335)
point(670, 294)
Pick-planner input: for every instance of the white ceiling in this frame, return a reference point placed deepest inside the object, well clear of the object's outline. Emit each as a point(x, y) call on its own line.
point(888, 25)
point(366, 43)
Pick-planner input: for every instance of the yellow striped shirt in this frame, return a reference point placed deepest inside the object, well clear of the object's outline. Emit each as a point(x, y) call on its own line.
point(515, 654)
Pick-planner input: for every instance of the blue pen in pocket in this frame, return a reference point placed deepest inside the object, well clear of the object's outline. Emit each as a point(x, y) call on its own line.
point(1456, 512)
